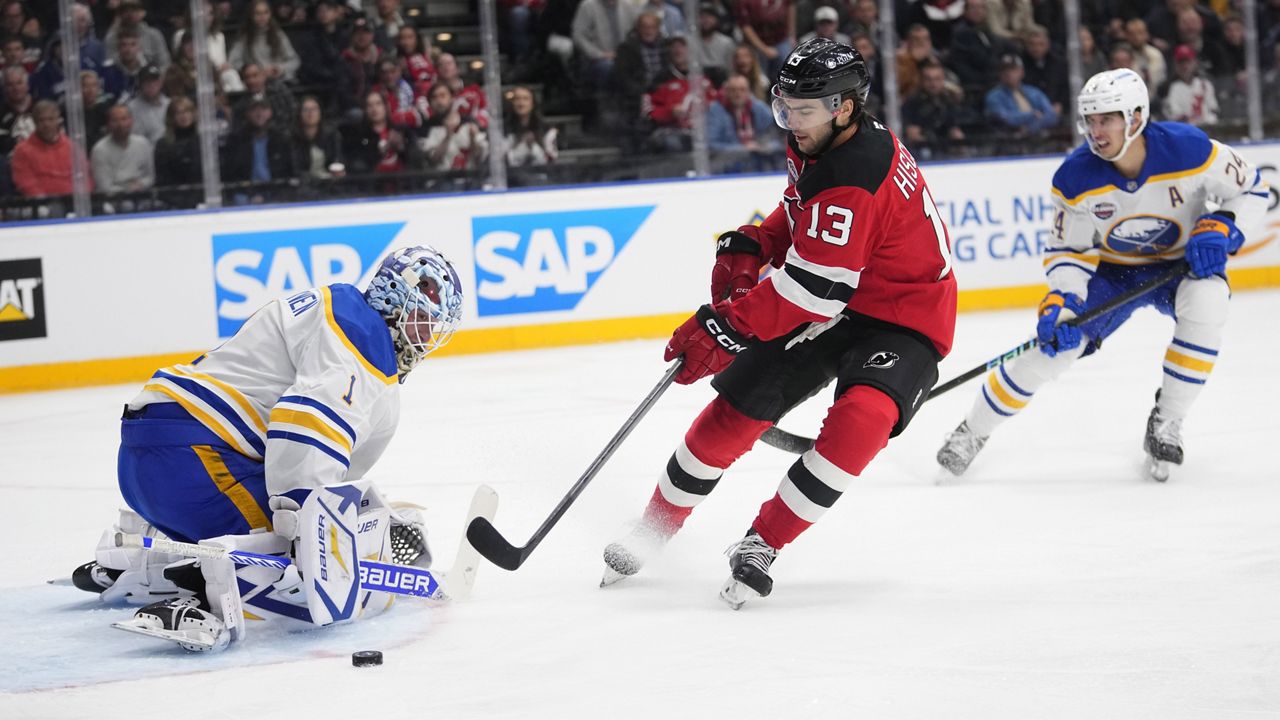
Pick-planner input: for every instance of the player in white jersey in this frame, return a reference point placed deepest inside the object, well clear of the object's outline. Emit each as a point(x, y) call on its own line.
point(240, 444)
point(1138, 198)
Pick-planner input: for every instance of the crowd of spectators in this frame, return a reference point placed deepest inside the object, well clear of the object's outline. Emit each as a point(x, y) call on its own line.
point(308, 92)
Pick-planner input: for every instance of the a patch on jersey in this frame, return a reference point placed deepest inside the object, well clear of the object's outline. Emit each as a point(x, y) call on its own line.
point(882, 360)
point(791, 170)
point(1104, 210)
point(1143, 235)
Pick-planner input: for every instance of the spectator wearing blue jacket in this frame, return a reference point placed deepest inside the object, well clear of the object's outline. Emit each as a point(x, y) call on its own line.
point(740, 128)
point(1017, 106)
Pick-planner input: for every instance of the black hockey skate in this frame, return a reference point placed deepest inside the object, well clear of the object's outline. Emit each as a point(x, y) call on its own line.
point(1163, 444)
point(92, 577)
point(180, 620)
point(749, 561)
point(960, 448)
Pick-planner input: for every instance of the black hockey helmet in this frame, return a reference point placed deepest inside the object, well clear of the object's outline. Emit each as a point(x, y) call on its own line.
point(820, 68)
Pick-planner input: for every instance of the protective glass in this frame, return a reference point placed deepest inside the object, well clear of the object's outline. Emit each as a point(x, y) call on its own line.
point(803, 113)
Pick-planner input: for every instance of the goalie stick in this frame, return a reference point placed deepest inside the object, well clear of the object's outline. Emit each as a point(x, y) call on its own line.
point(798, 444)
point(498, 550)
point(454, 584)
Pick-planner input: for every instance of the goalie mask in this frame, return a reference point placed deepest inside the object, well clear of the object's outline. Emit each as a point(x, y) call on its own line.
point(1122, 91)
point(419, 294)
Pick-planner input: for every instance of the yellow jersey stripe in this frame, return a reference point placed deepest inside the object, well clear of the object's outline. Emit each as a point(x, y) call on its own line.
point(1090, 259)
point(228, 485)
point(1188, 362)
point(337, 330)
point(1184, 173)
point(312, 423)
point(231, 392)
point(1087, 193)
point(1003, 394)
point(205, 419)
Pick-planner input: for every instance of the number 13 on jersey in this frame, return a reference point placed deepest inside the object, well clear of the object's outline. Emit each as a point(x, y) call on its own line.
point(839, 221)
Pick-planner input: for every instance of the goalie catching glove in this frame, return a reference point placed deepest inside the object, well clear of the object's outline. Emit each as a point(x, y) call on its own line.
point(707, 342)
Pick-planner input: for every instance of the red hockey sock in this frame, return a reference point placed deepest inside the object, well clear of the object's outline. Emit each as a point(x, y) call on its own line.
point(857, 427)
point(721, 434)
point(717, 437)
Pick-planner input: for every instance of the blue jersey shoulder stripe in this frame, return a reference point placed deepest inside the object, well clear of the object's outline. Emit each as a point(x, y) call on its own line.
point(364, 327)
point(194, 387)
point(328, 412)
point(303, 439)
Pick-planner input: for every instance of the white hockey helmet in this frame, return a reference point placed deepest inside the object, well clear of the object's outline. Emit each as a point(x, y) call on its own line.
point(1121, 91)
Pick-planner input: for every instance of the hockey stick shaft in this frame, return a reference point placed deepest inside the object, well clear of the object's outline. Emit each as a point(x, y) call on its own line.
point(498, 550)
point(790, 442)
point(375, 576)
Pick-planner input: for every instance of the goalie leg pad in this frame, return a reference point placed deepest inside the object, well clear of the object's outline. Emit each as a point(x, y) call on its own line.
point(328, 555)
point(141, 573)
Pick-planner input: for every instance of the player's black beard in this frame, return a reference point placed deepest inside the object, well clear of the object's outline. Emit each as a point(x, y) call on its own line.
point(831, 138)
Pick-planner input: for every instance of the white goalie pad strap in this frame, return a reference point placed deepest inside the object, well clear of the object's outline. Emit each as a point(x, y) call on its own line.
point(328, 556)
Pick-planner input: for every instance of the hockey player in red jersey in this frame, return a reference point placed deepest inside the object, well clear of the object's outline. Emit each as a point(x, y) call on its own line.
point(864, 294)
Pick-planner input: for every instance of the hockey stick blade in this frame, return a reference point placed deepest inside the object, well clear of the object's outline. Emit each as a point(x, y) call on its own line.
point(458, 580)
point(486, 539)
point(798, 444)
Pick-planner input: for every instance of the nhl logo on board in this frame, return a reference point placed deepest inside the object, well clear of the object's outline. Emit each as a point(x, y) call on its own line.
point(1104, 210)
point(882, 360)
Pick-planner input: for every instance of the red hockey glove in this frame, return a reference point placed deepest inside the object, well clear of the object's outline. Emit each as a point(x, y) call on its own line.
point(708, 344)
point(737, 267)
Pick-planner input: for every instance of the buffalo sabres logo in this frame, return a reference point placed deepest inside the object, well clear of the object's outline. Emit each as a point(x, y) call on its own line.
point(882, 360)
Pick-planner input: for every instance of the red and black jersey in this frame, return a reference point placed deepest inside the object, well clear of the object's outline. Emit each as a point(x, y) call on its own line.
point(857, 228)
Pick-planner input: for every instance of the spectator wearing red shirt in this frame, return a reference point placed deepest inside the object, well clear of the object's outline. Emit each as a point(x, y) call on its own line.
point(768, 26)
point(670, 103)
point(397, 93)
point(469, 97)
point(415, 58)
point(42, 163)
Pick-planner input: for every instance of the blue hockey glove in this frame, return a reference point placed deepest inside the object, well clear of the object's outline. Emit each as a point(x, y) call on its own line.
point(1213, 237)
point(1052, 336)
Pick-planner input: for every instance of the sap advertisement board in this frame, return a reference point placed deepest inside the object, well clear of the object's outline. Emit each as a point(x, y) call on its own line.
point(130, 287)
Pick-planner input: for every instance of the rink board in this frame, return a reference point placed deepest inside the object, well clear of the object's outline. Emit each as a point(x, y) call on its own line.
point(108, 300)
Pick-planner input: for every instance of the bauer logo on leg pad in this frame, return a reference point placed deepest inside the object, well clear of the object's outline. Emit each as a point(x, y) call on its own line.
point(328, 556)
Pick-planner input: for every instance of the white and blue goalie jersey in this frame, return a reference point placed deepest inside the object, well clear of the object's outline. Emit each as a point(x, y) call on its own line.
point(309, 384)
point(1104, 217)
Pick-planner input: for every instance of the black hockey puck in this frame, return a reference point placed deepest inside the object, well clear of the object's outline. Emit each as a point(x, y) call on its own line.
point(366, 658)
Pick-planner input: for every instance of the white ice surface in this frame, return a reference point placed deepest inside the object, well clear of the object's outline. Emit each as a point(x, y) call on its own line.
point(1051, 582)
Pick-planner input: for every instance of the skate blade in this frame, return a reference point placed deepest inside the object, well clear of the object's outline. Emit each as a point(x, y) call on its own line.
point(188, 637)
point(1157, 470)
point(611, 576)
point(735, 594)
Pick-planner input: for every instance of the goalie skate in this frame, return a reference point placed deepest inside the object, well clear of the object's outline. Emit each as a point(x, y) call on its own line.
point(179, 620)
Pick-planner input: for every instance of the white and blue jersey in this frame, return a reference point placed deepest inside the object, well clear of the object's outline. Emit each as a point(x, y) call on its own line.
point(305, 395)
point(1104, 217)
